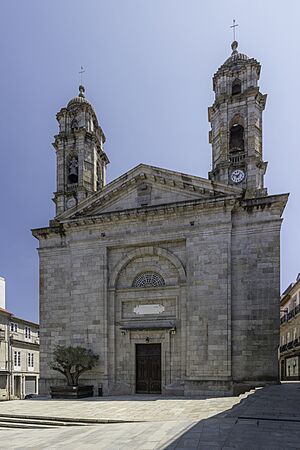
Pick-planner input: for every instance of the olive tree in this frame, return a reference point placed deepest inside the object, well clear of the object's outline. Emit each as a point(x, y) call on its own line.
point(72, 362)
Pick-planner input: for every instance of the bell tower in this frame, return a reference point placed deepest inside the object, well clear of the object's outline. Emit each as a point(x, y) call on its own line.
point(81, 160)
point(236, 125)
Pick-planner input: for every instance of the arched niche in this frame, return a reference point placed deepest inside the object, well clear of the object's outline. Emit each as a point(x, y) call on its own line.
point(236, 87)
point(236, 134)
point(143, 252)
point(72, 169)
point(236, 139)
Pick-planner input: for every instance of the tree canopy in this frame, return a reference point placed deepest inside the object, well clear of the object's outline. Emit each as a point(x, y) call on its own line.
point(72, 362)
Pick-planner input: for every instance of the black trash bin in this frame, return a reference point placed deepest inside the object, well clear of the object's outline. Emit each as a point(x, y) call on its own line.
point(100, 393)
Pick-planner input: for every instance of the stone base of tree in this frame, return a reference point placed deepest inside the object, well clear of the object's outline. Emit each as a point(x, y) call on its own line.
point(71, 391)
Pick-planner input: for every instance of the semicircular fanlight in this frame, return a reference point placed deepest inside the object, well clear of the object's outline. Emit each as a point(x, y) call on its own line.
point(148, 279)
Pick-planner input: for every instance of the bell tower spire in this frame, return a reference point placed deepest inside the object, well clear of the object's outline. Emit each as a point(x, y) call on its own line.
point(80, 156)
point(236, 124)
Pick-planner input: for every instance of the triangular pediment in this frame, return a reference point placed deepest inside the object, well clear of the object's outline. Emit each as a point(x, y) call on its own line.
point(148, 186)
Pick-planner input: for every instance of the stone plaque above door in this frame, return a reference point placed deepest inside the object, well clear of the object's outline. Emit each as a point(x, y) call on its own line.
point(149, 309)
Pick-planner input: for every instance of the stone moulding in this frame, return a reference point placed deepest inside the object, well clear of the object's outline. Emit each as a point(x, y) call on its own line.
point(150, 325)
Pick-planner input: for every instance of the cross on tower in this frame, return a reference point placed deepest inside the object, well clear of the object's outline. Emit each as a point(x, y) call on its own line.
point(234, 27)
point(81, 72)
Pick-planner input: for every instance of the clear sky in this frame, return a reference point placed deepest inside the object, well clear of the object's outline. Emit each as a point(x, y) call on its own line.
point(149, 65)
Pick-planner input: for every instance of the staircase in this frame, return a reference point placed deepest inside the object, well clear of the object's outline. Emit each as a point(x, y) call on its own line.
point(22, 421)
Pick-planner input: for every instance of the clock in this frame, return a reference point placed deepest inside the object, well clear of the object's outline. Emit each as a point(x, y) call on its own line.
point(237, 176)
point(71, 202)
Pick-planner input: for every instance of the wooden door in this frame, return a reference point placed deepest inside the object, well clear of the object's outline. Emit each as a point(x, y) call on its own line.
point(148, 368)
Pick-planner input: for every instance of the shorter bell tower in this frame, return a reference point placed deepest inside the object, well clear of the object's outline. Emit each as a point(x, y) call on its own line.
point(80, 156)
point(236, 125)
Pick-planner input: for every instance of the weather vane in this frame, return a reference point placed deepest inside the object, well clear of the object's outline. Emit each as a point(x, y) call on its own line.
point(234, 25)
point(81, 72)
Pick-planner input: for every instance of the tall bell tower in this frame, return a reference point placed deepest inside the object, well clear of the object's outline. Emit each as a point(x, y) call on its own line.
point(236, 125)
point(80, 156)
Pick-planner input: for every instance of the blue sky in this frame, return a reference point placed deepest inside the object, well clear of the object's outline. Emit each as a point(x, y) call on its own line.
point(149, 65)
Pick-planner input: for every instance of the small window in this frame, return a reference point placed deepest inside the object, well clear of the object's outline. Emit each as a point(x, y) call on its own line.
point(74, 125)
point(17, 359)
point(236, 87)
point(148, 279)
point(30, 360)
point(27, 333)
point(13, 327)
point(73, 171)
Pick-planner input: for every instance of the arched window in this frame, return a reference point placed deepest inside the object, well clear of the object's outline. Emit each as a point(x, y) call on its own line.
point(148, 279)
point(74, 124)
point(73, 170)
point(236, 141)
point(236, 87)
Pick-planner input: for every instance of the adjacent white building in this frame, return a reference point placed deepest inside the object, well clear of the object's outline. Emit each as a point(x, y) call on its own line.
point(19, 354)
point(290, 332)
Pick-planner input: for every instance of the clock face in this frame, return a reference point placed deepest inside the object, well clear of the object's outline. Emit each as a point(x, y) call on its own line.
point(71, 202)
point(237, 176)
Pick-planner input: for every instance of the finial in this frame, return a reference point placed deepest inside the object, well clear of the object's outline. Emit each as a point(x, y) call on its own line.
point(81, 91)
point(81, 73)
point(233, 26)
point(234, 47)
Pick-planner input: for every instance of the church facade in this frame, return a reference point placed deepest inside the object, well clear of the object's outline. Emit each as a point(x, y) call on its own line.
point(172, 279)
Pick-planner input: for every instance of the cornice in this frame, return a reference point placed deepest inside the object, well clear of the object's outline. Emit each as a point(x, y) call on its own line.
point(59, 227)
point(244, 96)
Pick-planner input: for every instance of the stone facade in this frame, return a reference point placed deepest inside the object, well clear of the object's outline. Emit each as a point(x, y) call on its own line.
point(162, 257)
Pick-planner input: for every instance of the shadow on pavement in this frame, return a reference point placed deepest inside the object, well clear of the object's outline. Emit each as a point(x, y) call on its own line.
point(267, 419)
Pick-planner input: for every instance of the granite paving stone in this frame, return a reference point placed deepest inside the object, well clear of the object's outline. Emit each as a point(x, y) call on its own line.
point(268, 418)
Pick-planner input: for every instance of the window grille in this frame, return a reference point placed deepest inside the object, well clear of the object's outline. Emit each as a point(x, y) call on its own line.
point(148, 279)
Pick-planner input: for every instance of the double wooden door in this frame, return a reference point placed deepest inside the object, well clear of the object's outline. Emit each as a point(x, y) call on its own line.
point(148, 368)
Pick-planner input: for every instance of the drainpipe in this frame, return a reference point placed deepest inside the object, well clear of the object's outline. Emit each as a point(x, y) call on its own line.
point(9, 363)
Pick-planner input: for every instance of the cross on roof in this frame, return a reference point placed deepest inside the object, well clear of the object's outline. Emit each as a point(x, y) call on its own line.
point(81, 72)
point(233, 26)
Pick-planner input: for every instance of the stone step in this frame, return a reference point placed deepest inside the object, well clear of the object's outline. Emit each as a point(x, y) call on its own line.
point(56, 421)
point(24, 425)
point(39, 421)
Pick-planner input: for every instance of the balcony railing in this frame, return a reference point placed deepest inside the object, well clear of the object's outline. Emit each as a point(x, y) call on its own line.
point(290, 345)
point(237, 159)
point(288, 316)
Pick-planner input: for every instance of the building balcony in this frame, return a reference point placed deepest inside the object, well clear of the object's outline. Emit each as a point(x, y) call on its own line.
point(237, 159)
point(20, 337)
point(288, 316)
point(290, 345)
point(72, 186)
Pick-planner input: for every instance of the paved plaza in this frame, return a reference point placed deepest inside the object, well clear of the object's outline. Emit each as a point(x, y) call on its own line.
point(268, 418)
